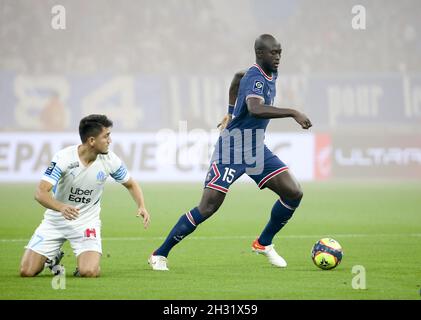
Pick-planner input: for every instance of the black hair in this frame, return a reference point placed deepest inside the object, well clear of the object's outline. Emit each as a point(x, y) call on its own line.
point(261, 42)
point(91, 126)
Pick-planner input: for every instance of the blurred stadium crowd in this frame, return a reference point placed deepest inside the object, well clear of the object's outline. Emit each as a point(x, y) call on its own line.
point(157, 65)
point(184, 36)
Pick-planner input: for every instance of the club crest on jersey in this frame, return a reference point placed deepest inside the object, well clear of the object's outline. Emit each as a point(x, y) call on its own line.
point(101, 177)
point(258, 86)
point(50, 168)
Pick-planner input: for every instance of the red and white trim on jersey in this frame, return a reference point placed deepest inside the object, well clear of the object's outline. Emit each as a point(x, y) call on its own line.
point(214, 186)
point(262, 72)
point(190, 217)
point(270, 176)
point(255, 96)
point(286, 206)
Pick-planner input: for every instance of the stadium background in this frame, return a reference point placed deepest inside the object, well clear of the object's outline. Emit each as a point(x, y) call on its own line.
point(152, 66)
point(161, 70)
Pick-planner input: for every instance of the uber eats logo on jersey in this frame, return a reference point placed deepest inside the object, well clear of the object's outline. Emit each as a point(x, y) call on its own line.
point(78, 195)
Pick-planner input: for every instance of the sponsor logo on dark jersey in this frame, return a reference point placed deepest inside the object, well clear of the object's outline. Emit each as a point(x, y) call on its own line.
point(258, 86)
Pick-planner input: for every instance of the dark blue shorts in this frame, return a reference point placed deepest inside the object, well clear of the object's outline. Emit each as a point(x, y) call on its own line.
point(220, 176)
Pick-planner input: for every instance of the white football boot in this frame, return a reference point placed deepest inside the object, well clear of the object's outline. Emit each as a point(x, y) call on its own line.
point(270, 252)
point(54, 264)
point(158, 263)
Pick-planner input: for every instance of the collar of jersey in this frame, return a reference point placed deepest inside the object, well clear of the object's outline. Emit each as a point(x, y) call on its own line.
point(262, 72)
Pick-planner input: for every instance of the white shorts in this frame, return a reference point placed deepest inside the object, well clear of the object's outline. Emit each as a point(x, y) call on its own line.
point(48, 238)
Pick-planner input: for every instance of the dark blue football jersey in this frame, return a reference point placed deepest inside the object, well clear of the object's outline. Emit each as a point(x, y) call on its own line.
point(255, 83)
point(242, 143)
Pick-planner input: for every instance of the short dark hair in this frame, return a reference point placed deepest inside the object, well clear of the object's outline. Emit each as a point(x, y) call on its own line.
point(261, 42)
point(91, 126)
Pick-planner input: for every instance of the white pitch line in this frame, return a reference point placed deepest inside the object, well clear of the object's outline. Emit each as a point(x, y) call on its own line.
point(303, 236)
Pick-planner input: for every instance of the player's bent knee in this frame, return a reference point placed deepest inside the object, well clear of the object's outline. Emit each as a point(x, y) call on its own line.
point(27, 272)
point(89, 272)
point(298, 194)
point(295, 193)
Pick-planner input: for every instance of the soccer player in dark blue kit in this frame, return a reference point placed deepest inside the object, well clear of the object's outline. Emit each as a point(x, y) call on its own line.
point(240, 149)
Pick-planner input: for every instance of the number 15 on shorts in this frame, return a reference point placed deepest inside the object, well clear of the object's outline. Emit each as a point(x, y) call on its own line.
point(228, 175)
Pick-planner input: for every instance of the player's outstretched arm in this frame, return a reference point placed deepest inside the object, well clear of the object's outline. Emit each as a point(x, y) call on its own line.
point(44, 197)
point(232, 97)
point(137, 196)
point(258, 109)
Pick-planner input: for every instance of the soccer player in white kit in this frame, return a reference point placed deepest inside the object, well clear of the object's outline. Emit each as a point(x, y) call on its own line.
point(76, 176)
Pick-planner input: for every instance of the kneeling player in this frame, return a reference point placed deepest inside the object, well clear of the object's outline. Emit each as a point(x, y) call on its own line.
point(77, 175)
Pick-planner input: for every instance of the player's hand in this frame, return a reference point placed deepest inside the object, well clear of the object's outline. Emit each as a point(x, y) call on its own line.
point(224, 122)
point(303, 120)
point(69, 212)
point(146, 217)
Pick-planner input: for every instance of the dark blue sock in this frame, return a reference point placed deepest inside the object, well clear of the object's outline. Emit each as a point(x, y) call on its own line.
point(281, 212)
point(185, 225)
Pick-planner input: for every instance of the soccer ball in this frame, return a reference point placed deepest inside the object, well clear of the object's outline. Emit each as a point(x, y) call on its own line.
point(326, 253)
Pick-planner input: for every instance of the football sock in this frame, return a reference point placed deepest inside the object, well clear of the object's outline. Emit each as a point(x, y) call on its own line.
point(281, 212)
point(185, 225)
point(76, 273)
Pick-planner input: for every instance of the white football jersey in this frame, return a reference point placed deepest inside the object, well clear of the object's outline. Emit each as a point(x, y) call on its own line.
point(81, 186)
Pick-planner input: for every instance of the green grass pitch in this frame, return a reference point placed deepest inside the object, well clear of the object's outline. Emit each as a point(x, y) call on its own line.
point(377, 224)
